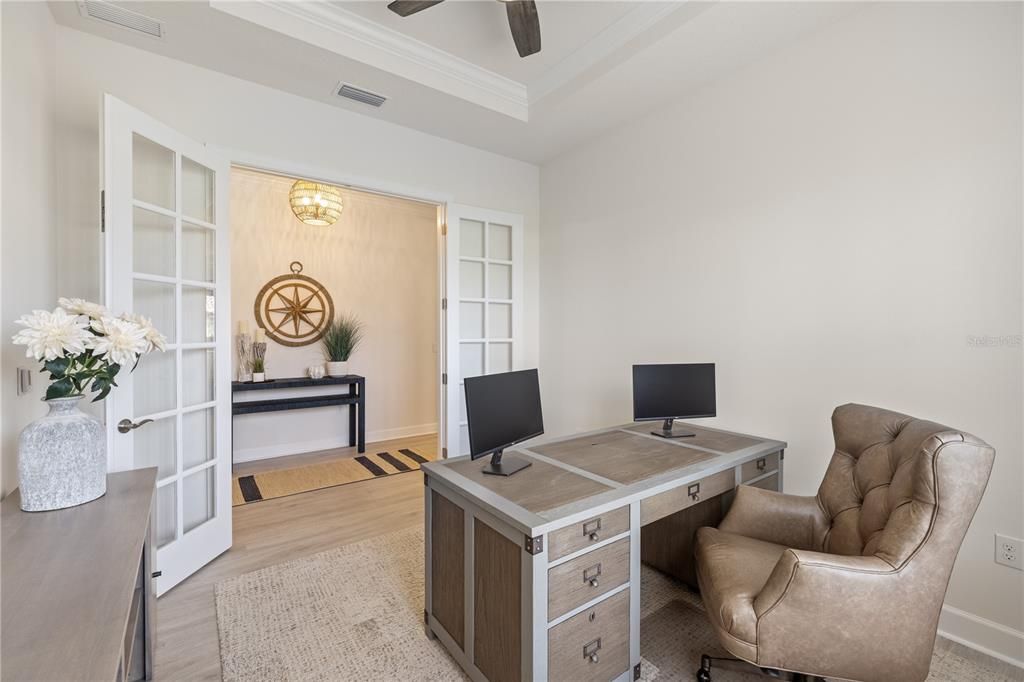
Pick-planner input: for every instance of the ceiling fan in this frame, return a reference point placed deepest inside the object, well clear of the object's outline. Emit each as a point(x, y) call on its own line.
point(522, 19)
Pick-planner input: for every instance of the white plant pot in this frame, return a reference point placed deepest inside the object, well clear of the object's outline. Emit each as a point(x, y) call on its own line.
point(337, 369)
point(259, 377)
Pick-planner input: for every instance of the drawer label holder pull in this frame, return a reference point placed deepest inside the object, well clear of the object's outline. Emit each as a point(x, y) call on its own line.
point(762, 464)
point(590, 575)
point(591, 527)
point(693, 490)
point(590, 650)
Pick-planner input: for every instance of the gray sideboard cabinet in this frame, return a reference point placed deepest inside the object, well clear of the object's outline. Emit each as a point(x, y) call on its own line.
point(78, 599)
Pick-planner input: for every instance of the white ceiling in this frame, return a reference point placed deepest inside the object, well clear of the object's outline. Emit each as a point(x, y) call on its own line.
point(452, 70)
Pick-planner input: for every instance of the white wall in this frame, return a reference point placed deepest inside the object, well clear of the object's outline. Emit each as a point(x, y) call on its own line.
point(830, 224)
point(379, 261)
point(28, 241)
point(260, 121)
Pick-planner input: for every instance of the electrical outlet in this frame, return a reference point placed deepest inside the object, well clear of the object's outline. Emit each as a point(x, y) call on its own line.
point(1008, 551)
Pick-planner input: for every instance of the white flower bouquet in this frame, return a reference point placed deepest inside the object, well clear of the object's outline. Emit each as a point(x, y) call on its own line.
point(83, 345)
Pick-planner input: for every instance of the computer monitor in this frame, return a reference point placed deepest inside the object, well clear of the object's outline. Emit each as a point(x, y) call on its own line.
point(502, 410)
point(668, 392)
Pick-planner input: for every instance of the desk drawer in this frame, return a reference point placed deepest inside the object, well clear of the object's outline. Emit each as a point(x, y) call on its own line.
point(768, 483)
point(565, 541)
point(758, 467)
point(669, 502)
point(593, 645)
point(587, 577)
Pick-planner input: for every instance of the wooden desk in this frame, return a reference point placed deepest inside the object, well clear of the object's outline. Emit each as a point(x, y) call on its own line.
point(354, 399)
point(537, 576)
point(78, 596)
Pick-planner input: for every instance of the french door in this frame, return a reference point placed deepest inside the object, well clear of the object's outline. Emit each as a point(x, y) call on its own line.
point(166, 257)
point(484, 291)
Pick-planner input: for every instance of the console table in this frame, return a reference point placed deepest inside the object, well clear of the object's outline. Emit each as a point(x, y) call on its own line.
point(78, 594)
point(536, 576)
point(354, 399)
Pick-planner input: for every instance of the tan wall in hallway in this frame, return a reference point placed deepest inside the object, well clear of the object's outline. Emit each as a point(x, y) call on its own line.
point(378, 261)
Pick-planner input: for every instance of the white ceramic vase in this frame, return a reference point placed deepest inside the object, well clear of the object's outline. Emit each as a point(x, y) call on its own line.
point(62, 458)
point(259, 377)
point(337, 369)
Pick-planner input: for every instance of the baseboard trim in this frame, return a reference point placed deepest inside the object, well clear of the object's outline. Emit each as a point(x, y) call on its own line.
point(299, 447)
point(983, 635)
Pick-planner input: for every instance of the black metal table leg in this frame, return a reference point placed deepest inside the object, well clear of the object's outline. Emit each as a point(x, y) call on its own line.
point(352, 418)
point(361, 407)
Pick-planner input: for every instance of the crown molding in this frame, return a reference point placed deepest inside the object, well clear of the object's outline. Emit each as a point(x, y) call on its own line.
point(322, 24)
point(633, 24)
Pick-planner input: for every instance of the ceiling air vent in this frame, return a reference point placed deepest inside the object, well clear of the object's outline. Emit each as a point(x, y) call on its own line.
point(125, 18)
point(360, 95)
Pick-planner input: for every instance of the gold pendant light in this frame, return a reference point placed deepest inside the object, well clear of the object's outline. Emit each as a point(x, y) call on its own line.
point(314, 203)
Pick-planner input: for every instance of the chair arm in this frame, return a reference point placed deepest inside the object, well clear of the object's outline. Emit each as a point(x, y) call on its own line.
point(788, 520)
point(847, 617)
point(798, 571)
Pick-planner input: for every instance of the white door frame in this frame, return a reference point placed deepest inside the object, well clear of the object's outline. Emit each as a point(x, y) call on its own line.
point(291, 168)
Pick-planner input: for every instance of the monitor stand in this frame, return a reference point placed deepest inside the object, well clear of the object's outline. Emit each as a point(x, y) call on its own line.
point(667, 432)
point(497, 467)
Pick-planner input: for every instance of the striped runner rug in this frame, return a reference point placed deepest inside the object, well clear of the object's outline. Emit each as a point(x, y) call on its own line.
point(284, 482)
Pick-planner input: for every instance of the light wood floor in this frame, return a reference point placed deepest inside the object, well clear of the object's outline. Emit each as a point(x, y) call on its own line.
point(425, 445)
point(275, 531)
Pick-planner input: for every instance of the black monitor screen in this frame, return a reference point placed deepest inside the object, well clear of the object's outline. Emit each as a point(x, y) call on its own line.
point(673, 391)
point(502, 410)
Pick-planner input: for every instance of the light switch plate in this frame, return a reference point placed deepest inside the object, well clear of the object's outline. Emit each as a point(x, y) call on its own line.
point(24, 380)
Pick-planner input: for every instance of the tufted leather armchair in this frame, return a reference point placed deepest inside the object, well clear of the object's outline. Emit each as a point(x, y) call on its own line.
point(849, 583)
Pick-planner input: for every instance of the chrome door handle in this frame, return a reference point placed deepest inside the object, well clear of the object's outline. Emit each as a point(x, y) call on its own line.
point(126, 425)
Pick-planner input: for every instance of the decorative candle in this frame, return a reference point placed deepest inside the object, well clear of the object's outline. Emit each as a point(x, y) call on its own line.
point(243, 326)
point(261, 335)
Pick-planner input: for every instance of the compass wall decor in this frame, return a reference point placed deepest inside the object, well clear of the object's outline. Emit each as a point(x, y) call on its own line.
point(294, 309)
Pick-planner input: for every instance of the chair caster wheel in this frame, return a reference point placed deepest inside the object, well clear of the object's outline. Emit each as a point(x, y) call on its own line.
point(703, 675)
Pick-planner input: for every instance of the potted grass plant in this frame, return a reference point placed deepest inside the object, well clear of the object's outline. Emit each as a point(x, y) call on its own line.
point(340, 340)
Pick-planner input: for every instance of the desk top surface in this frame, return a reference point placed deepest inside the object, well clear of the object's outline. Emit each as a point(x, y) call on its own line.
point(598, 470)
point(68, 578)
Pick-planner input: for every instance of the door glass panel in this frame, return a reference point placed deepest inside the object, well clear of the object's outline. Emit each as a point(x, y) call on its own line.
point(198, 195)
point(463, 415)
point(471, 279)
point(154, 384)
point(500, 358)
point(166, 513)
point(152, 172)
point(197, 498)
point(471, 359)
point(197, 442)
point(152, 243)
point(499, 281)
point(198, 315)
point(198, 255)
point(155, 300)
point(499, 242)
point(156, 446)
point(464, 440)
point(499, 321)
point(197, 380)
point(471, 320)
point(471, 239)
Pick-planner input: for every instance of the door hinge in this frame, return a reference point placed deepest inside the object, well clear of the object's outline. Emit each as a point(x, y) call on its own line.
point(444, 303)
point(444, 378)
point(444, 229)
point(103, 210)
point(444, 453)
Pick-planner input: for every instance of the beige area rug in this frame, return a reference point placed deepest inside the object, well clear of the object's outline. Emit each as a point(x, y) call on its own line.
point(356, 613)
point(302, 479)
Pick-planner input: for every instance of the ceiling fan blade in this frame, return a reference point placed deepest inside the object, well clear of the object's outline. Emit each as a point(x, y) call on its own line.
point(404, 8)
point(525, 25)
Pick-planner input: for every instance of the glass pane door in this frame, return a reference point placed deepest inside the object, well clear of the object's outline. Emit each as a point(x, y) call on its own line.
point(165, 260)
point(483, 280)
